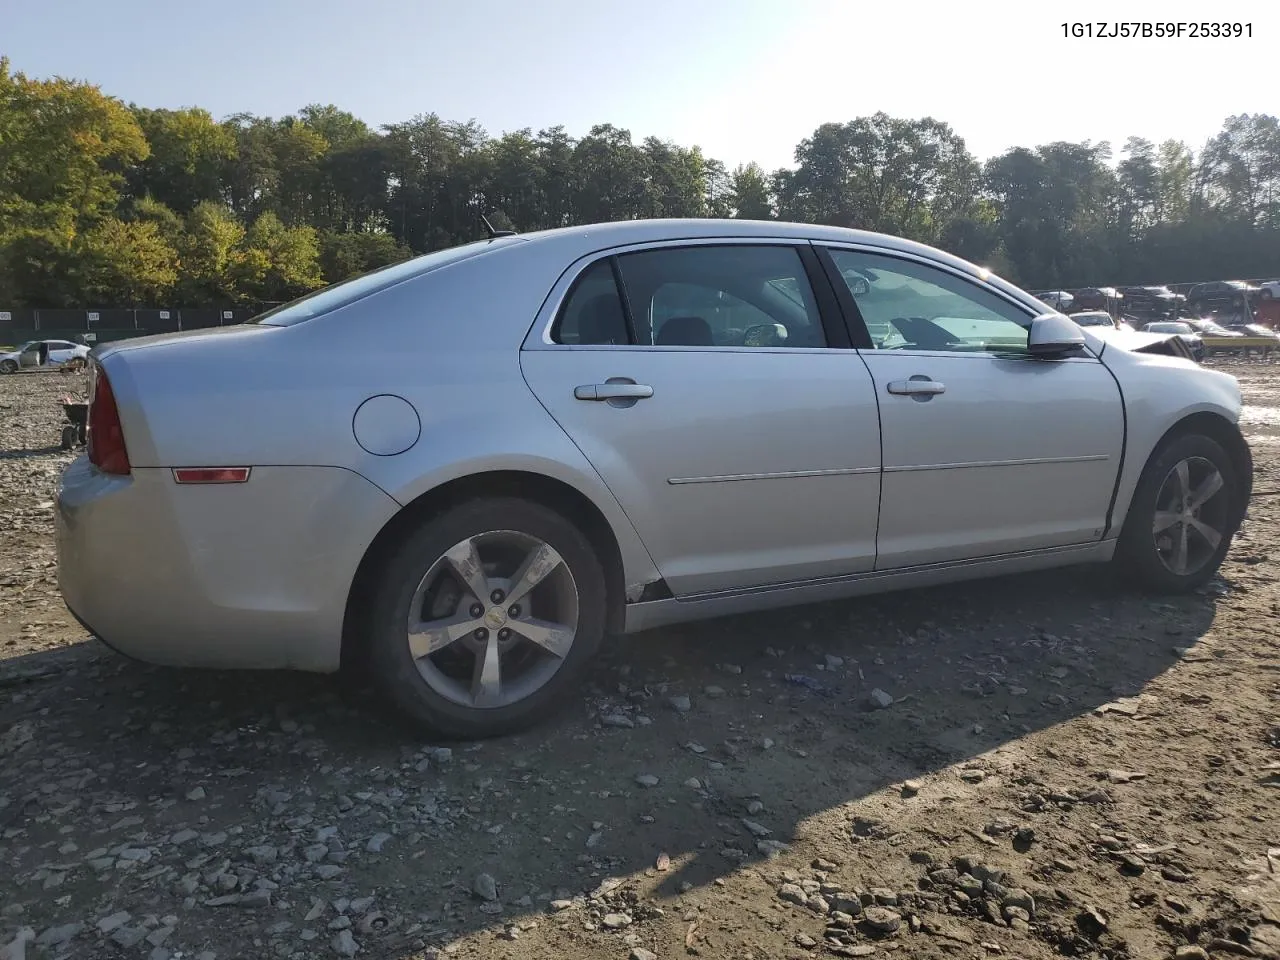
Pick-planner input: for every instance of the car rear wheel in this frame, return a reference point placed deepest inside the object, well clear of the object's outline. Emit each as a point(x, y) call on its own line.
point(1182, 518)
point(485, 617)
point(1265, 294)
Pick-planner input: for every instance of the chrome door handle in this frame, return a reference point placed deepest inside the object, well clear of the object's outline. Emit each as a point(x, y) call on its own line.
point(613, 391)
point(916, 386)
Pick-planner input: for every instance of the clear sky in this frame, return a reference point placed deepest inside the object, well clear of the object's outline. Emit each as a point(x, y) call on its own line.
point(744, 79)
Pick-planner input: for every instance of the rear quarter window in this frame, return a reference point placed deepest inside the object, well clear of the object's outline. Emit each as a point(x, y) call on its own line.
point(339, 295)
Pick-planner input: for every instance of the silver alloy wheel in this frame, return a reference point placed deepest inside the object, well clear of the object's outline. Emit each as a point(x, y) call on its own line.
point(493, 619)
point(1191, 516)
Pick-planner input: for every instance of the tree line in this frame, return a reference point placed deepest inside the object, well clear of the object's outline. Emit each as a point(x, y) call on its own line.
point(117, 205)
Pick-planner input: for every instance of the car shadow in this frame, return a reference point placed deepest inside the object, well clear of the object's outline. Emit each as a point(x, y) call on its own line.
point(787, 719)
point(30, 452)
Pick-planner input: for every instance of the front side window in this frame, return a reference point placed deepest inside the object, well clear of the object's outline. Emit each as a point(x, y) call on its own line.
point(748, 295)
point(913, 306)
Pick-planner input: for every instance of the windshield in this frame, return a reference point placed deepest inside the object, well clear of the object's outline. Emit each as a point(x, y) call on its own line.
point(1093, 319)
point(338, 295)
point(1169, 328)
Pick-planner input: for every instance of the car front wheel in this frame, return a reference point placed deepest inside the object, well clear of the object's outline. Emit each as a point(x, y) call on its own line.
point(8, 366)
point(485, 617)
point(1184, 513)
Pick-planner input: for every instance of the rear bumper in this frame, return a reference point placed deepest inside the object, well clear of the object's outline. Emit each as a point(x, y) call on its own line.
point(251, 575)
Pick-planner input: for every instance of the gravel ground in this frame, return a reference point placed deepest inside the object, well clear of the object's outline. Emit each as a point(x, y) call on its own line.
point(1027, 767)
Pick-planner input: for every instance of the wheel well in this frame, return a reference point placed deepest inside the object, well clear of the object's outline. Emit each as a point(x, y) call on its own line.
point(1228, 436)
point(553, 494)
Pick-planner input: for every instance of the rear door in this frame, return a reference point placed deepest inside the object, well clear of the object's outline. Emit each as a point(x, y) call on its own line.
point(712, 386)
point(987, 450)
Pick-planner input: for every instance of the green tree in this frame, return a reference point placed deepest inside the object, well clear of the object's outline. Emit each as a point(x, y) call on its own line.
point(126, 264)
point(752, 199)
point(277, 263)
point(189, 155)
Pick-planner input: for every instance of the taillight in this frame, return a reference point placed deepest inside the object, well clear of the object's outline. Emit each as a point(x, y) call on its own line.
point(106, 437)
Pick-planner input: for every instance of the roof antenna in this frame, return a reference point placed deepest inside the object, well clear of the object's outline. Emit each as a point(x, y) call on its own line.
point(494, 234)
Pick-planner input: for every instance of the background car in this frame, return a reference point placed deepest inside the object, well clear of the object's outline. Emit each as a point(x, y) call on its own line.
point(1269, 290)
point(1058, 299)
point(1183, 330)
point(36, 353)
point(1152, 301)
point(498, 453)
point(1094, 318)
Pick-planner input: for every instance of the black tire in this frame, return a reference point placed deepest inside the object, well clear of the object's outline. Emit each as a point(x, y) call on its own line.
point(8, 366)
point(1137, 556)
point(392, 668)
point(69, 436)
point(1265, 295)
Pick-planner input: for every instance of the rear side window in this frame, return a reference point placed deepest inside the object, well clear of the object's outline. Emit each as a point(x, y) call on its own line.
point(592, 313)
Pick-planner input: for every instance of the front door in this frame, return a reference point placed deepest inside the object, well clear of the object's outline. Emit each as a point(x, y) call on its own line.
point(745, 450)
point(987, 451)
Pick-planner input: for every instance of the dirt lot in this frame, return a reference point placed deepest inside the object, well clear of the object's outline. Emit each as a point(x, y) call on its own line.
point(1064, 769)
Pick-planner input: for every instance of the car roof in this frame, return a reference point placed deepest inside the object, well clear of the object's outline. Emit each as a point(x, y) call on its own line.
point(600, 236)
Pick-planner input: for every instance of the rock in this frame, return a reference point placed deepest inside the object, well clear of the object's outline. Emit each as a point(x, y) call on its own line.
point(559, 906)
point(647, 780)
point(882, 919)
point(756, 829)
point(911, 787)
point(1191, 952)
point(263, 854)
point(1023, 838)
point(1132, 865)
point(376, 841)
point(833, 662)
point(755, 807)
point(327, 871)
point(713, 692)
point(680, 704)
point(884, 896)
point(1174, 875)
point(879, 699)
point(196, 793)
point(615, 921)
point(128, 937)
point(805, 942)
point(693, 783)
point(57, 936)
point(118, 919)
point(640, 953)
point(617, 720)
point(183, 836)
point(826, 866)
point(792, 894)
point(344, 944)
point(485, 887)
point(1092, 922)
point(1011, 913)
point(771, 848)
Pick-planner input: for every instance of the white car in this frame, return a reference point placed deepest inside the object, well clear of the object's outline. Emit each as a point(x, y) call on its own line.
point(30, 354)
point(1269, 290)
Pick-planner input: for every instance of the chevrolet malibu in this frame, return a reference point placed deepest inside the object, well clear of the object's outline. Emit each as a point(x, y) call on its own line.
point(460, 473)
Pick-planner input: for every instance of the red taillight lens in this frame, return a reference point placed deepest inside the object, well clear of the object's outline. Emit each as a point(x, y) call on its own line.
point(106, 437)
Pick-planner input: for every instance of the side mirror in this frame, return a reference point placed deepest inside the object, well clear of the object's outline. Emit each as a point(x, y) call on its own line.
point(1052, 335)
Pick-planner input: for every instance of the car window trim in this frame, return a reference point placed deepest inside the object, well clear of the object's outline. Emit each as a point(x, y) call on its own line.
point(539, 336)
point(860, 333)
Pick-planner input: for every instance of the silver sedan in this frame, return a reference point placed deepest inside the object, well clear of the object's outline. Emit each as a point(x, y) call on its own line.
point(460, 473)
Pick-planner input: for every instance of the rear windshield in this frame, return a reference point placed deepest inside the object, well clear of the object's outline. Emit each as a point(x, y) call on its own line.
point(357, 288)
